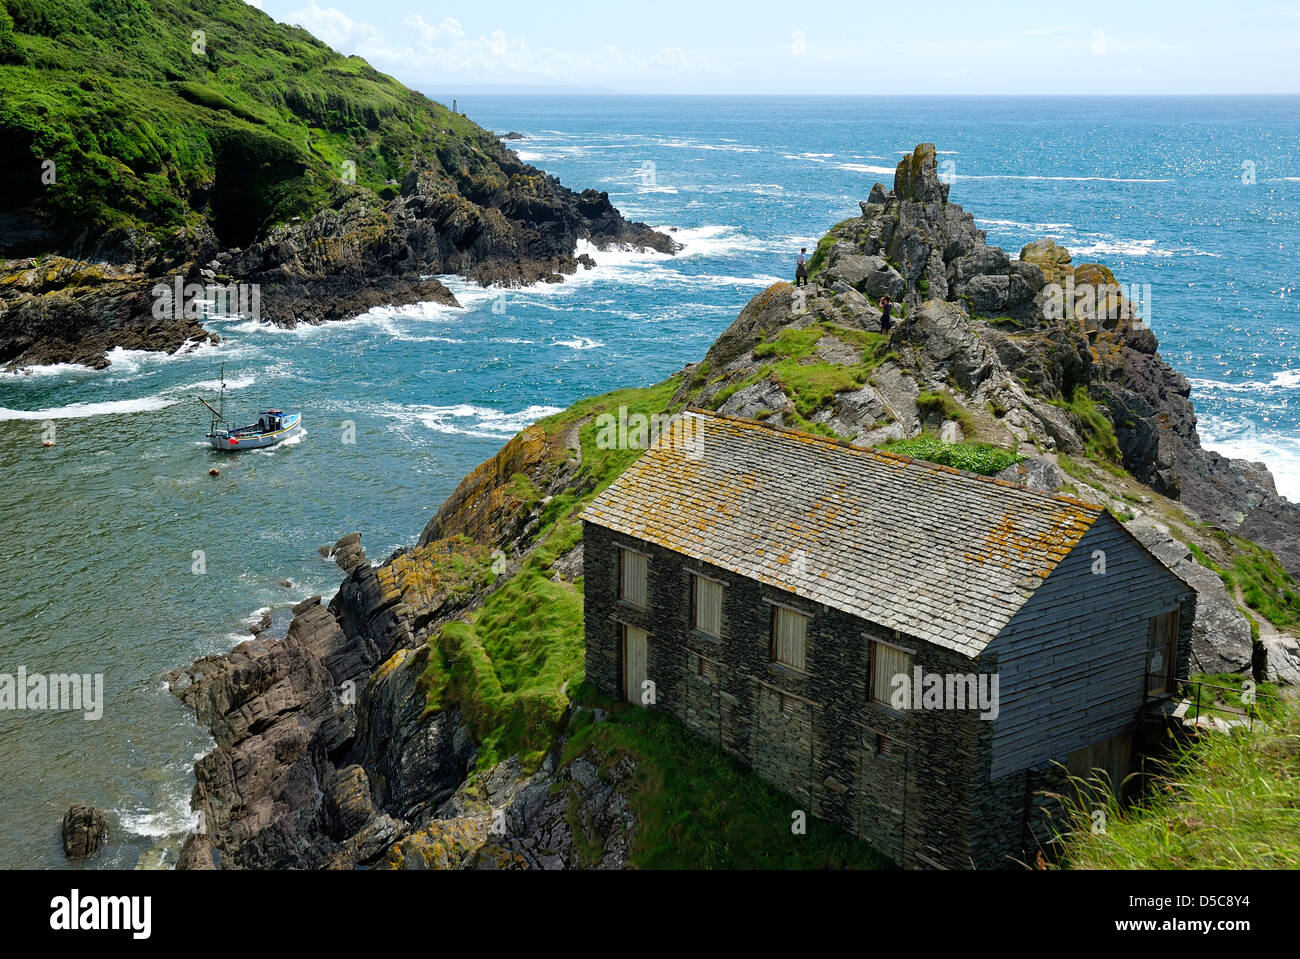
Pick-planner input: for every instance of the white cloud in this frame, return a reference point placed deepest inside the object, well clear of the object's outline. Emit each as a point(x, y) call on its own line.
point(430, 53)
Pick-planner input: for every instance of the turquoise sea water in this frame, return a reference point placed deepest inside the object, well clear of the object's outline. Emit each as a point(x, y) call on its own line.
point(101, 529)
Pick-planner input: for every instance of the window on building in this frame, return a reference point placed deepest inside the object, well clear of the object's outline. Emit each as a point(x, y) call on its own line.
point(1162, 648)
point(789, 632)
point(706, 603)
point(632, 578)
point(887, 662)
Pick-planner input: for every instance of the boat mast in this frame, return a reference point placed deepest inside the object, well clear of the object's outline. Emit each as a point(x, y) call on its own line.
point(222, 401)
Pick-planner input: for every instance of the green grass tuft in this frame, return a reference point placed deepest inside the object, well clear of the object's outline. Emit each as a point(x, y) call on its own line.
point(979, 458)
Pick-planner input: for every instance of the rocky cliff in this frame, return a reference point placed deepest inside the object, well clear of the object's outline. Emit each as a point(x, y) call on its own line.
point(380, 730)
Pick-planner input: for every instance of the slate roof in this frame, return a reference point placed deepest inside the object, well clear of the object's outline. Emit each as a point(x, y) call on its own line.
point(936, 553)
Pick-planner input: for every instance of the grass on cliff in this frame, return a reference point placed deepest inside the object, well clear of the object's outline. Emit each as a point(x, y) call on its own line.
point(511, 664)
point(1098, 434)
point(697, 807)
point(981, 458)
point(1263, 582)
point(151, 111)
point(1225, 802)
point(818, 261)
point(810, 381)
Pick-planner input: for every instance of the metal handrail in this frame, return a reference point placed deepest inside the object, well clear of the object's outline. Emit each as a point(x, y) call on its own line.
point(1179, 689)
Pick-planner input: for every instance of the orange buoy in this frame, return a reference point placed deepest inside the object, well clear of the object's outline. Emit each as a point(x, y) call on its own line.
point(214, 472)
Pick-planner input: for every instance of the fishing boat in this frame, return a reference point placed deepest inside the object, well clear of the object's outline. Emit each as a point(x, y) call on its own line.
point(272, 426)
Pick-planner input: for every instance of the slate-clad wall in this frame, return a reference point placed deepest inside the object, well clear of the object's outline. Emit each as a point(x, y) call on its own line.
point(1072, 663)
point(900, 780)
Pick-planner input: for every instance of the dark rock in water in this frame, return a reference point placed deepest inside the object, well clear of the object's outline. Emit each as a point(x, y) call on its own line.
point(512, 135)
point(586, 261)
point(85, 829)
point(286, 583)
point(348, 554)
point(262, 625)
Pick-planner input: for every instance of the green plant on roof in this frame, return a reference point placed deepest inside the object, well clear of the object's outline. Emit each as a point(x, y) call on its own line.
point(982, 458)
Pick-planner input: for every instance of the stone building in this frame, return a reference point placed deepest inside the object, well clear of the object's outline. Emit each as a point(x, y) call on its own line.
point(908, 650)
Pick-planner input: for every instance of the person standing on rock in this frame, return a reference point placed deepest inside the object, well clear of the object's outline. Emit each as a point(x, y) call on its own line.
point(801, 268)
point(886, 304)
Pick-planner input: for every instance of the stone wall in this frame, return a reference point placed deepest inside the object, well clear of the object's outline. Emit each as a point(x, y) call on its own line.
point(899, 779)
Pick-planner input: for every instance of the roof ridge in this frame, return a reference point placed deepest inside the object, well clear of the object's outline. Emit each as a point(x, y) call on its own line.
point(899, 457)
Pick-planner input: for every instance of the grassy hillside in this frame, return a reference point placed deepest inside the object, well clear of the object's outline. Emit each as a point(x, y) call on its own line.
point(146, 131)
point(1226, 802)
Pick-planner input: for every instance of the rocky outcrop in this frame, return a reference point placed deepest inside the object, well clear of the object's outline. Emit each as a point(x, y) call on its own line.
point(576, 816)
point(361, 250)
point(85, 830)
point(323, 745)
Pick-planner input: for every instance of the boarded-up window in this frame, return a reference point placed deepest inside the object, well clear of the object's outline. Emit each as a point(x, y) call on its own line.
point(707, 602)
point(1162, 646)
point(632, 584)
point(635, 668)
point(788, 636)
point(886, 663)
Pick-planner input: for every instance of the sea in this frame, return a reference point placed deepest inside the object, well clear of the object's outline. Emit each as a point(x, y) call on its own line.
point(123, 558)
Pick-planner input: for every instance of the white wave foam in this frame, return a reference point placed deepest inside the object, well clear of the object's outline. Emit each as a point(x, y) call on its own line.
point(580, 343)
point(85, 410)
point(715, 241)
point(171, 820)
point(1243, 440)
point(1283, 380)
point(1067, 179)
point(234, 383)
point(1118, 247)
point(1037, 227)
point(466, 419)
point(866, 168)
point(48, 371)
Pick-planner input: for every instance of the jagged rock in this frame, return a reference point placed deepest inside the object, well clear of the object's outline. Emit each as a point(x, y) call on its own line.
point(753, 401)
point(878, 194)
point(85, 829)
point(917, 178)
point(869, 275)
point(1053, 261)
point(348, 804)
point(348, 554)
point(1036, 473)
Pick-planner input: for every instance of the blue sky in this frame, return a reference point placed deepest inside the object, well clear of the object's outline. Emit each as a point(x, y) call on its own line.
point(819, 47)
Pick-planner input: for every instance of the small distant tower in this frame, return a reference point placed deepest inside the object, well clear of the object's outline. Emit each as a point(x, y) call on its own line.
point(453, 105)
